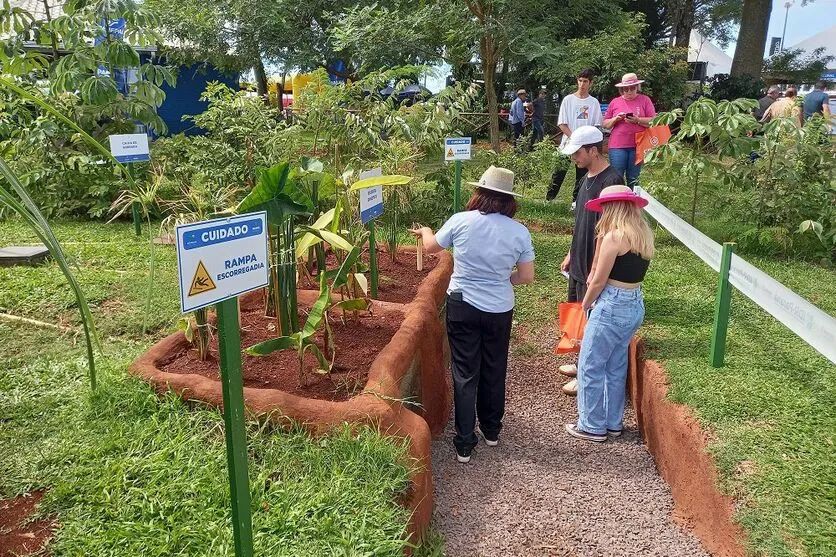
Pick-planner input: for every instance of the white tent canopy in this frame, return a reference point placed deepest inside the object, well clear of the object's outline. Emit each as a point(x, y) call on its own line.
point(701, 50)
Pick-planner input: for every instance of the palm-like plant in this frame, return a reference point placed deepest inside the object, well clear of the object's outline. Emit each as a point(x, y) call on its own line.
point(15, 197)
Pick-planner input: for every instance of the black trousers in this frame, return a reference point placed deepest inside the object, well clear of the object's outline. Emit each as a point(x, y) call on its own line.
point(557, 180)
point(518, 129)
point(479, 348)
point(577, 290)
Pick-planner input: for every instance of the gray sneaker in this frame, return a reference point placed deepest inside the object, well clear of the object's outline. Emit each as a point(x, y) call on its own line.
point(572, 429)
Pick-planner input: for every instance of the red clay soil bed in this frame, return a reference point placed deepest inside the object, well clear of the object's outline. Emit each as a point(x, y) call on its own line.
point(357, 344)
point(398, 282)
point(19, 536)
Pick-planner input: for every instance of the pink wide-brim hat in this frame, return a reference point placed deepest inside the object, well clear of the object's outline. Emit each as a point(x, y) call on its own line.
point(616, 194)
point(628, 80)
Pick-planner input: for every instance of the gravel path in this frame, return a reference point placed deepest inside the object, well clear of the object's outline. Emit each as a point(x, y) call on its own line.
point(541, 492)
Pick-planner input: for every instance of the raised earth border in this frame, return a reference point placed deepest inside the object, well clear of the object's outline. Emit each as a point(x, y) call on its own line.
point(407, 394)
point(678, 445)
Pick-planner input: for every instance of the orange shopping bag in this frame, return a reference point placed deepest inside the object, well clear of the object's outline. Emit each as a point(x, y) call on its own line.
point(650, 138)
point(572, 323)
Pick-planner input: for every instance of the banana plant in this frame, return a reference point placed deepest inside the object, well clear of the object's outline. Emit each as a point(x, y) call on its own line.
point(17, 199)
point(279, 196)
point(302, 341)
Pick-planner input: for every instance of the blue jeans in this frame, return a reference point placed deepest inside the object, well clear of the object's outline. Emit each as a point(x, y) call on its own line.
point(624, 161)
point(602, 364)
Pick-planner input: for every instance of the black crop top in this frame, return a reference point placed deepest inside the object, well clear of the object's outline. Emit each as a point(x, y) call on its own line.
point(630, 267)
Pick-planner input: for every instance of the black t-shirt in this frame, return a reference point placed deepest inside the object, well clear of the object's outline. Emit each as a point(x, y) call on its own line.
point(539, 108)
point(583, 237)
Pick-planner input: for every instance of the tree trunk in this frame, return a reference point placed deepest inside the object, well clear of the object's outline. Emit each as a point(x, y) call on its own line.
point(754, 22)
point(260, 79)
point(684, 23)
point(488, 55)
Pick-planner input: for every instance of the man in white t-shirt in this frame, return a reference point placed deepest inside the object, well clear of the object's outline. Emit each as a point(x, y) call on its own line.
point(576, 110)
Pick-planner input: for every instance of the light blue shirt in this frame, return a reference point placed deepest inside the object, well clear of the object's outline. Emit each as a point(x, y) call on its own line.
point(485, 250)
point(517, 114)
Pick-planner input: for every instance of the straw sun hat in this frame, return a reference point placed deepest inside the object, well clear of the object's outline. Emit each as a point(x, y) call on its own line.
point(628, 80)
point(615, 193)
point(497, 179)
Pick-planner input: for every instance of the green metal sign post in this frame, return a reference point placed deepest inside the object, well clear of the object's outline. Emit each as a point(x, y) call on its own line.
point(457, 187)
point(229, 337)
point(721, 308)
point(373, 258)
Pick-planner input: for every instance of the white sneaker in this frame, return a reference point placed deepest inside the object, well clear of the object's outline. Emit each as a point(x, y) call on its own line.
point(569, 370)
point(493, 443)
point(571, 388)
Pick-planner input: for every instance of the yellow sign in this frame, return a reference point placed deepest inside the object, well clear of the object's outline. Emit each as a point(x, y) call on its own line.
point(450, 153)
point(201, 282)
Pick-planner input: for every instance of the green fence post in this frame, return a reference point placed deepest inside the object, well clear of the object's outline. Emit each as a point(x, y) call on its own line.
point(721, 308)
point(457, 188)
point(229, 337)
point(373, 258)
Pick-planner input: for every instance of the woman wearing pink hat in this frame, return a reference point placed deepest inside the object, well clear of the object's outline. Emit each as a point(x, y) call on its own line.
point(617, 309)
point(626, 116)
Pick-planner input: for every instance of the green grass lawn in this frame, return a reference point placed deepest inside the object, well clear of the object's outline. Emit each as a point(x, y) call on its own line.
point(129, 474)
point(770, 412)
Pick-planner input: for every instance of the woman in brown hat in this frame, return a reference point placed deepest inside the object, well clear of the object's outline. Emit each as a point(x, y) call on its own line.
point(492, 253)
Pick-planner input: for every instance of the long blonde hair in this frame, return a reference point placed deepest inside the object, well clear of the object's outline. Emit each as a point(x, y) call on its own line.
point(625, 220)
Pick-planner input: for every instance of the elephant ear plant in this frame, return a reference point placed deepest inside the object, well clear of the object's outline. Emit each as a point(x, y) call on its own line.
point(277, 194)
point(15, 197)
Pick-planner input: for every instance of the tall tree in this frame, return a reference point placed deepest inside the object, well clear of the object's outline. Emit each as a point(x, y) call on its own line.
point(751, 40)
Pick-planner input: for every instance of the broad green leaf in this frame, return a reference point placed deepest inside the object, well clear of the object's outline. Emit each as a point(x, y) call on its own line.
point(324, 219)
point(355, 304)
point(325, 367)
point(342, 274)
point(274, 345)
point(305, 243)
point(336, 240)
point(390, 180)
point(363, 282)
point(310, 164)
point(277, 195)
point(318, 310)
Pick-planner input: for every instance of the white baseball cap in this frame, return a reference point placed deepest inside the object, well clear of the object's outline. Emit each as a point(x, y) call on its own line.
point(584, 135)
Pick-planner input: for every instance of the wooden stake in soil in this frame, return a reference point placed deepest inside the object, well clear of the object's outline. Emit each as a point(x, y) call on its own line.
point(419, 253)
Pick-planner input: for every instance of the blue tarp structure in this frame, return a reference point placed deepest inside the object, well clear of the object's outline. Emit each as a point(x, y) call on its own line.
point(185, 97)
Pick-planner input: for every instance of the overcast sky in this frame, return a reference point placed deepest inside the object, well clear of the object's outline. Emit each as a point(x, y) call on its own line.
point(803, 21)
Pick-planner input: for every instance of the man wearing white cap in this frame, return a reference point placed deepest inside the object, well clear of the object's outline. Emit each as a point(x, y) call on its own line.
point(517, 114)
point(585, 147)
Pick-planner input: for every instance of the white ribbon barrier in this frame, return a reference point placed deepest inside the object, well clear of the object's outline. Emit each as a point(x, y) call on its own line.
point(801, 317)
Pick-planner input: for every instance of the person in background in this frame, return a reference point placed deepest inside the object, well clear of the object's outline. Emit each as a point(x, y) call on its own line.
point(538, 112)
point(576, 110)
point(585, 147)
point(487, 246)
point(617, 310)
point(771, 96)
point(626, 116)
point(784, 107)
point(517, 115)
point(817, 102)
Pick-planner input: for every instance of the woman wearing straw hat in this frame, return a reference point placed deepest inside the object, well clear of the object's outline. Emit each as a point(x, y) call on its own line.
point(626, 116)
point(488, 244)
point(617, 309)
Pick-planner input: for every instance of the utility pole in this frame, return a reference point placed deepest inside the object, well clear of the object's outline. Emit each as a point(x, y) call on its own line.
point(786, 15)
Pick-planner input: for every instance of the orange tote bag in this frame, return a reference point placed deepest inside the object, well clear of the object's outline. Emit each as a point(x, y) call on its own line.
point(650, 138)
point(572, 323)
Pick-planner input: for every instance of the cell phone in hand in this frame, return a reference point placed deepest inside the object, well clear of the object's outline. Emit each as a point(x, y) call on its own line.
point(628, 115)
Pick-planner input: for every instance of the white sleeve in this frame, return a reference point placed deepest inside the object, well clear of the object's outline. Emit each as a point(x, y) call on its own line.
point(562, 115)
point(595, 117)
